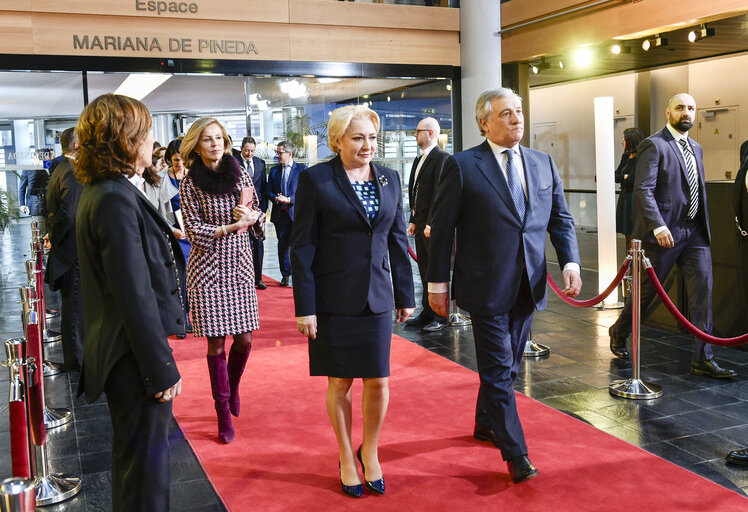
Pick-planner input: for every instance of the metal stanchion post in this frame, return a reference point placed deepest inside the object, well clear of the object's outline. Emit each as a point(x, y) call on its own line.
point(50, 487)
point(36, 235)
point(37, 249)
point(533, 349)
point(17, 495)
point(32, 272)
point(635, 387)
point(457, 319)
point(53, 417)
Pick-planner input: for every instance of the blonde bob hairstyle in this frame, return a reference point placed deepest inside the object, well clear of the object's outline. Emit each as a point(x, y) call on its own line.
point(340, 120)
point(110, 131)
point(190, 141)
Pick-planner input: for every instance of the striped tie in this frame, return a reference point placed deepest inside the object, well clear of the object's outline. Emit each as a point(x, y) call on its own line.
point(515, 187)
point(693, 186)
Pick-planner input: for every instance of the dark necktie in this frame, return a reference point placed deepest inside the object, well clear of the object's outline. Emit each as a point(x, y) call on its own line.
point(693, 186)
point(515, 187)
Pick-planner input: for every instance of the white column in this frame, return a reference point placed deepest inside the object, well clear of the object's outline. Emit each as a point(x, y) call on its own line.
point(480, 60)
point(606, 196)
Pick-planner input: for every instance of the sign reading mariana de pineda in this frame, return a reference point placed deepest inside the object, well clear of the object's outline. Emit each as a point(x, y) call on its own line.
point(144, 43)
point(156, 45)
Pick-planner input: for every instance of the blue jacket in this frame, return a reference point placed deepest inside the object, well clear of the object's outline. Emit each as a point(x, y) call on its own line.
point(340, 261)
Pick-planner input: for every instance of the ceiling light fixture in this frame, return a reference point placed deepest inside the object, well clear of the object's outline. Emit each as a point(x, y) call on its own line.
point(583, 57)
point(698, 35)
point(656, 41)
point(140, 85)
point(542, 65)
point(619, 48)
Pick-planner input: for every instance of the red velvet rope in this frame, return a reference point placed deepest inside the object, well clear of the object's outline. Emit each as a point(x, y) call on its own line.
point(35, 388)
point(595, 300)
point(412, 254)
point(708, 338)
point(19, 440)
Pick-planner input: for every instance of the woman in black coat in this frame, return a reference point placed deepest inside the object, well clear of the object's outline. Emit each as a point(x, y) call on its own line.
point(348, 237)
point(625, 175)
point(128, 258)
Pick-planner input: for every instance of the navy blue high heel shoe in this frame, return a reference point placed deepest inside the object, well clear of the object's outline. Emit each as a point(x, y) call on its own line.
point(376, 486)
point(354, 491)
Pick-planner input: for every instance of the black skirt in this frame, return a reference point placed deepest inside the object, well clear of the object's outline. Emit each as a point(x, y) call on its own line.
point(348, 347)
point(625, 213)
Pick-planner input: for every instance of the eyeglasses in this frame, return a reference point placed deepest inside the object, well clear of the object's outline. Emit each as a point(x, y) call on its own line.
point(419, 130)
point(280, 152)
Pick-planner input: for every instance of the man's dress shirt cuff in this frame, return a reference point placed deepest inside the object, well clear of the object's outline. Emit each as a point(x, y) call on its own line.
point(573, 267)
point(657, 231)
point(438, 287)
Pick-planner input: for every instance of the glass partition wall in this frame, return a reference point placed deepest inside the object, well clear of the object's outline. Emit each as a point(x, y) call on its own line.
point(38, 106)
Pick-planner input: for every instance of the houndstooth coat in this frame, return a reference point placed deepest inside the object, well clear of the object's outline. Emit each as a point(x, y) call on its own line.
point(220, 273)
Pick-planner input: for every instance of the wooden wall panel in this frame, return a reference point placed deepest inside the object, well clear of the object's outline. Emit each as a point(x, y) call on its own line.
point(516, 12)
point(645, 17)
point(51, 37)
point(374, 45)
point(271, 11)
point(16, 33)
point(326, 12)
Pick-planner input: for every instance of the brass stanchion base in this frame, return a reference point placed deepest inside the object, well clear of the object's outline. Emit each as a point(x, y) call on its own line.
point(533, 349)
point(55, 488)
point(56, 417)
point(51, 369)
point(51, 338)
point(459, 320)
point(635, 388)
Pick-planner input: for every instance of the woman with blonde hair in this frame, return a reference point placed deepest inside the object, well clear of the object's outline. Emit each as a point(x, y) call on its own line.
point(349, 235)
point(219, 204)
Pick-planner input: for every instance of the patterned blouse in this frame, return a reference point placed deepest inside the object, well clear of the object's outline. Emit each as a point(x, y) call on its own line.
point(367, 194)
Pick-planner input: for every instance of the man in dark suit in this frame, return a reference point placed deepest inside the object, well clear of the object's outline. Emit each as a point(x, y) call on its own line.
point(62, 272)
point(282, 191)
point(424, 176)
point(501, 198)
point(672, 222)
point(256, 169)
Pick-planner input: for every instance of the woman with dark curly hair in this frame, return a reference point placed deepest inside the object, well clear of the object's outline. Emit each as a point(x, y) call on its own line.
point(219, 204)
point(128, 259)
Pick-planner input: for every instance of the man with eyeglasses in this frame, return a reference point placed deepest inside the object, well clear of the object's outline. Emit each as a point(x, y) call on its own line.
point(281, 191)
point(424, 176)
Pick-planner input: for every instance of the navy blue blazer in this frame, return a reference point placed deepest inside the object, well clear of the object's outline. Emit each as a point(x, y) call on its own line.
point(493, 244)
point(661, 191)
point(341, 262)
point(259, 180)
point(275, 184)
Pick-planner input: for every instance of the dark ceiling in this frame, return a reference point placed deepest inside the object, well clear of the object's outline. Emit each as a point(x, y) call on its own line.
point(730, 36)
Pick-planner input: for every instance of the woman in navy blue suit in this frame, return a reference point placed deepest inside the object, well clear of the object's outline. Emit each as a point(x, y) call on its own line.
point(349, 235)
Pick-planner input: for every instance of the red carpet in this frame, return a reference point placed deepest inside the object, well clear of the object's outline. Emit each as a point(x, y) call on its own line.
point(284, 457)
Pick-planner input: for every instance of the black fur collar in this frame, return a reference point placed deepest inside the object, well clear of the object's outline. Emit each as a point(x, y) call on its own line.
point(222, 181)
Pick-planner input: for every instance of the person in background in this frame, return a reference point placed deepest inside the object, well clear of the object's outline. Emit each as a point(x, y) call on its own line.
point(349, 237)
point(255, 167)
point(282, 191)
point(62, 271)
point(127, 256)
point(220, 275)
point(625, 174)
point(740, 203)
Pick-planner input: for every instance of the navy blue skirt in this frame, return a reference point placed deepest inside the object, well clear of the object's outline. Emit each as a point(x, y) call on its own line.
point(348, 347)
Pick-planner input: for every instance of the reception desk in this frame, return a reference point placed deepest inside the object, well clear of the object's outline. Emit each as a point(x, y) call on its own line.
point(728, 298)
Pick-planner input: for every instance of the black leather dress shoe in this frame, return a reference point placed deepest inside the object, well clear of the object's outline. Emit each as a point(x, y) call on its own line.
point(260, 285)
point(482, 433)
point(436, 325)
point(521, 469)
point(739, 457)
point(618, 344)
point(710, 368)
point(284, 281)
point(418, 320)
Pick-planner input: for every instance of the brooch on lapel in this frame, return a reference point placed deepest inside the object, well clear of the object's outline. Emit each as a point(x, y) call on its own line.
point(383, 181)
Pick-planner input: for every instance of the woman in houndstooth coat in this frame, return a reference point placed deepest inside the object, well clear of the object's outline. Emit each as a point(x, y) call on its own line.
point(220, 273)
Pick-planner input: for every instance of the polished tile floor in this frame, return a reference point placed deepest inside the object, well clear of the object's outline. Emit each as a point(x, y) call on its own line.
point(695, 423)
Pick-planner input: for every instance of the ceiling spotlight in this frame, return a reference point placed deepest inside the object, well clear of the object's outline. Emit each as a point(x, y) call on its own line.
point(697, 35)
point(561, 64)
point(656, 41)
point(583, 57)
point(537, 68)
point(620, 48)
